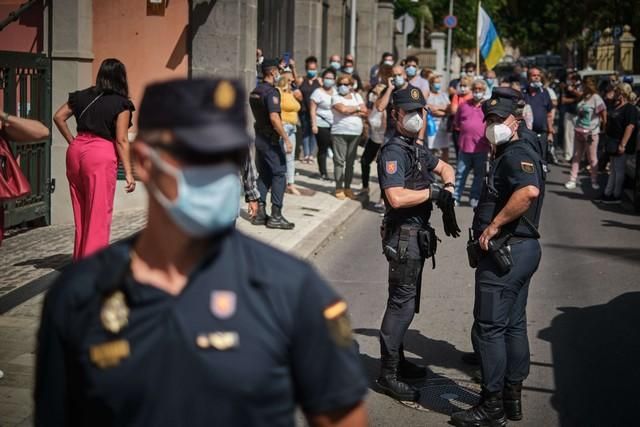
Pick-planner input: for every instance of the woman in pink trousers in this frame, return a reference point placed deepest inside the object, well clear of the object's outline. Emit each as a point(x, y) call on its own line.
point(103, 116)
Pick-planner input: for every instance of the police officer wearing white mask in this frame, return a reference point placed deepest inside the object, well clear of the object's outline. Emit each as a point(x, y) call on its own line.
point(405, 168)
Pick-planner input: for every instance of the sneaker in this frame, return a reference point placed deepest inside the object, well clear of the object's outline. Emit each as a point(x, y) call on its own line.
point(473, 203)
point(595, 186)
point(340, 195)
point(379, 207)
point(611, 200)
point(349, 194)
point(570, 185)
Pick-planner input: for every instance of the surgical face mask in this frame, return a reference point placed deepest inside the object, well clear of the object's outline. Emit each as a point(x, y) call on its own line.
point(312, 73)
point(348, 70)
point(398, 81)
point(388, 62)
point(335, 65)
point(412, 122)
point(464, 89)
point(208, 197)
point(411, 71)
point(523, 74)
point(498, 133)
point(471, 73)
point(536, 85)
point(478, 95)
point(436, 87)
point(491, 82)
point(328, 83)
point(260, 60)
point(343, 90)
point(276, 77)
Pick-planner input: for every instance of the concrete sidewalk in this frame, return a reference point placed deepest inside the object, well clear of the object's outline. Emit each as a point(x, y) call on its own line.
point(30, 261)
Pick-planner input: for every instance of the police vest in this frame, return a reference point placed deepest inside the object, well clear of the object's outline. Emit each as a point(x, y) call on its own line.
point(419, 176)
point(492, 202)
point(260, 112)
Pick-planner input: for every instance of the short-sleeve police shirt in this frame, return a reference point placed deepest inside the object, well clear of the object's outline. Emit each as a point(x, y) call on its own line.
point(395, 169)
point(253, 333)
point(517, 170)
point(271, 98)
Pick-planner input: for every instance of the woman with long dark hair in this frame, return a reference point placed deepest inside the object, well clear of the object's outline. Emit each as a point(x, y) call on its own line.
point(103, 116)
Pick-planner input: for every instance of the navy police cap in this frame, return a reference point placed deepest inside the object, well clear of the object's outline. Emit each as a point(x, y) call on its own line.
point(408, 99)
point(206, 115)
point(504, 101)
point(269, 63)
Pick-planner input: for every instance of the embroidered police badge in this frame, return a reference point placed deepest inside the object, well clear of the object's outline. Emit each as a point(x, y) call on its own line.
point(223, 304)
point(527, 167)
point(114, 314)
point(224, 95)
point(391, 167)
point(415, 94)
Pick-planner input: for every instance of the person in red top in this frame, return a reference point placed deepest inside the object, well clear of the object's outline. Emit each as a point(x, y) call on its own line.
point(17, 129)
point(472, 144)
point(463, 94)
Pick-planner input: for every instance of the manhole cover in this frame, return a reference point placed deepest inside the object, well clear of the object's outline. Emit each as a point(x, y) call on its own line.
point(445, 395)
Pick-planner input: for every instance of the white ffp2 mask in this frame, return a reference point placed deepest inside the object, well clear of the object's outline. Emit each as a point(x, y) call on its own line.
point(412, 122)
point(498, 133)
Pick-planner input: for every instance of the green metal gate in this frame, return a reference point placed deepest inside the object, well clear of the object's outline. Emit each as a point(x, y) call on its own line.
point(25, 91)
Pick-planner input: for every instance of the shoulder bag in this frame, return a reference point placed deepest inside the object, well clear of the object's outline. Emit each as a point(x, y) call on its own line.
point(13, 183)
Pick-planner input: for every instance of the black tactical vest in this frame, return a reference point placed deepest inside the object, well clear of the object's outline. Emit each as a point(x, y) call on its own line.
point(260, 112)
point(492, 202)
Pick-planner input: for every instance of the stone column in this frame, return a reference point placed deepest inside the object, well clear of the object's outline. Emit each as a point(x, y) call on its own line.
point(438, 41)
point(627, 40)
point(385, 28)
point(366, 36)
point(336, 35)
point(71, 63)
point(307, 38)
point(224, 39)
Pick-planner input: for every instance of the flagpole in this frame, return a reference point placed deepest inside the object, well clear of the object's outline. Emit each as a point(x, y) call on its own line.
point(478, 40)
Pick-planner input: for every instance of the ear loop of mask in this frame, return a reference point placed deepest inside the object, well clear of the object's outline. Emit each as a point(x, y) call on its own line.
point(168, 169)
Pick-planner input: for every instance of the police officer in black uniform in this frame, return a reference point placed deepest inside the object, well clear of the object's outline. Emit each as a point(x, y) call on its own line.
point(272, 144)
point(405, 171)
point(190, 322)
point(505, 229)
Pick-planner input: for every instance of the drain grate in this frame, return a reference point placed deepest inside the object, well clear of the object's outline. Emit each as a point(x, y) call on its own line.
point(445, 395)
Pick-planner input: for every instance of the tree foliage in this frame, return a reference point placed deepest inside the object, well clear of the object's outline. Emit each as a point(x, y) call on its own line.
point(533, 26)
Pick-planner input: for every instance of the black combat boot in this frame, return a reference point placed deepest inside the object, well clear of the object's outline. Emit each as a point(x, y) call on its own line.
point(276, 220)
point(410, 371)
point(261, 216)
point(488, 413)
point(392, 386)
point(512, 399)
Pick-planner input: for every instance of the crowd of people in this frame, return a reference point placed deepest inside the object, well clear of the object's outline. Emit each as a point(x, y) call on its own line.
point(575, 119)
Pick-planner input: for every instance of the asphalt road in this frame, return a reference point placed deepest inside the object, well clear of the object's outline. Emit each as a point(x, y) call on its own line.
point(583, 315)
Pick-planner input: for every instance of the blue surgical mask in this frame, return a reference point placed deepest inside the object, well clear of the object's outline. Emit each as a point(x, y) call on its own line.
point(343, 90)
point(411, 71)
point(312, 73)
point(436, 87)
point(491, 82)
point(328, 83)
point(348, 70)
point(398, 81)
point(208, 199)
point(335, 65)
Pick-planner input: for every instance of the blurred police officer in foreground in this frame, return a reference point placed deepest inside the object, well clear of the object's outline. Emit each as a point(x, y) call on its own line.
point(191, 322)
point(271, 160)
point(405, 169)
point(505, 235)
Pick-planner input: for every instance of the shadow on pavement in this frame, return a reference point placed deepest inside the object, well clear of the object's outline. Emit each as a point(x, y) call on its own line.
point(627, 254)
point(612, 223)
point(56, 262)
point(595, 352)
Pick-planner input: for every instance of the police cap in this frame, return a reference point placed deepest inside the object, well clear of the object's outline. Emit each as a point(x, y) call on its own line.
point(270, 63)
point(206, 115)
point(408, 99)
point(504, 101)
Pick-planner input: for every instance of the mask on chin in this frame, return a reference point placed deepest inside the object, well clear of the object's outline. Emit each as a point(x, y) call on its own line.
point(208, 199)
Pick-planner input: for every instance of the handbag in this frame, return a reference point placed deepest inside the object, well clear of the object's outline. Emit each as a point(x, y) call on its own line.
point(13, 183)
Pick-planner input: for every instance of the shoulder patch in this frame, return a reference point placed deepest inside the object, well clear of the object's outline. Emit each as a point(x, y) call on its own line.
point(338, 323)
point(415, 94)
point(527, 167)
point(391, 166)
point(276, 100)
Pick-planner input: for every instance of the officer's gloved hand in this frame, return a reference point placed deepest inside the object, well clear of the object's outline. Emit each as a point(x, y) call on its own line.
point(444, 200)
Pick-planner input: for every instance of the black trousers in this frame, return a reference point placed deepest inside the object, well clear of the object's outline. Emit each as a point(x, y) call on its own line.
point(371, 150)
point(404, 278)
point(323, 138)
point(271, 163)
point(499, 331)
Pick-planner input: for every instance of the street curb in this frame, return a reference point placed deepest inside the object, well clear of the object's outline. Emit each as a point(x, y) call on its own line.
point(305, 249)
point(316, 239)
